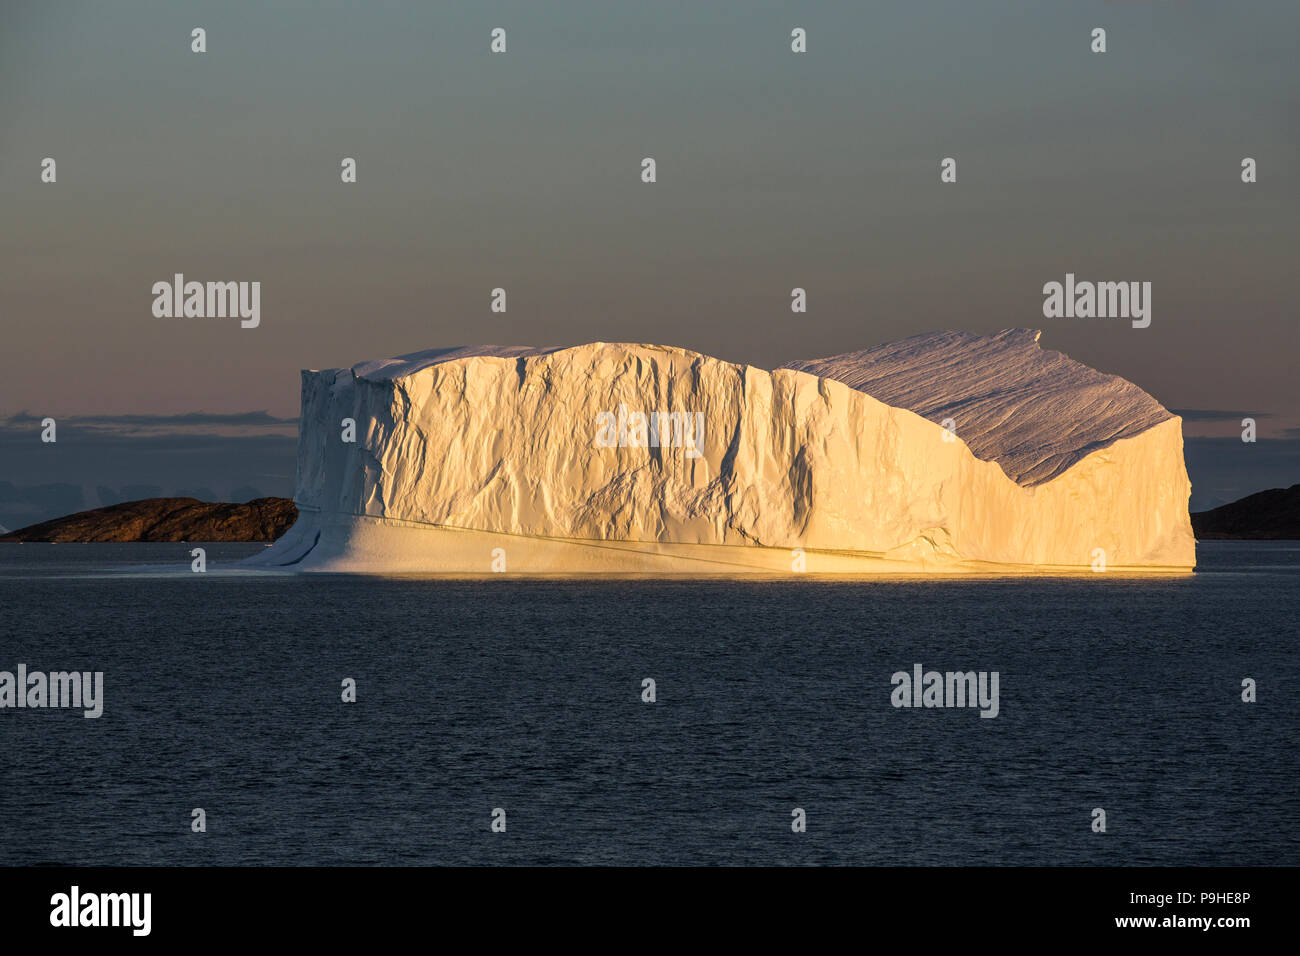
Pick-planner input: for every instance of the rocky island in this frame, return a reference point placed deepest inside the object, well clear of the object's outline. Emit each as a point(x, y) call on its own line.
point(1264, 516)
point(167, 519)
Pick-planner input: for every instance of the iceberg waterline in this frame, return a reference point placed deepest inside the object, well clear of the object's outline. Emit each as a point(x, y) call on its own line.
point(947, 452)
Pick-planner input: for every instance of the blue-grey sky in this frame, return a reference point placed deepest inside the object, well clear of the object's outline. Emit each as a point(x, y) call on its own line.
point(522, 170)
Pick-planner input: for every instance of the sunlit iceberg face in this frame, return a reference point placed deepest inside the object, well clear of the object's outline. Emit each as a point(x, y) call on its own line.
point(950, 452)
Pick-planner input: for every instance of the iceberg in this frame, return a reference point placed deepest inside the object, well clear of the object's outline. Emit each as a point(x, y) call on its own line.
point(948, 453)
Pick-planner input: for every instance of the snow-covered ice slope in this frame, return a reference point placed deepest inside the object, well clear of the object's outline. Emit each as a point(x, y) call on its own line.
point(1034, 411)
point(490, 458)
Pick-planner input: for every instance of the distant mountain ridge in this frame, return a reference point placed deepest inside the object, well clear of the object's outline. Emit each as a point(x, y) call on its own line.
point(167, 520)
point(1265, 515)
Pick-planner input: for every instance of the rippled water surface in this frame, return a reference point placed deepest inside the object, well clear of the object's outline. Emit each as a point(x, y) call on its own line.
point(222, 691)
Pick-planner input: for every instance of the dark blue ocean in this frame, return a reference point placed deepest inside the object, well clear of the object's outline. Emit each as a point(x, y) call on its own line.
point(223, 692)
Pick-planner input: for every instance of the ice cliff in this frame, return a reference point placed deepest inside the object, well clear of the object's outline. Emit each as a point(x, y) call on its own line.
point(945, 452)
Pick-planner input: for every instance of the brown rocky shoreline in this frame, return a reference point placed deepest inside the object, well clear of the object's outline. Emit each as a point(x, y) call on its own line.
point(167, 520)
